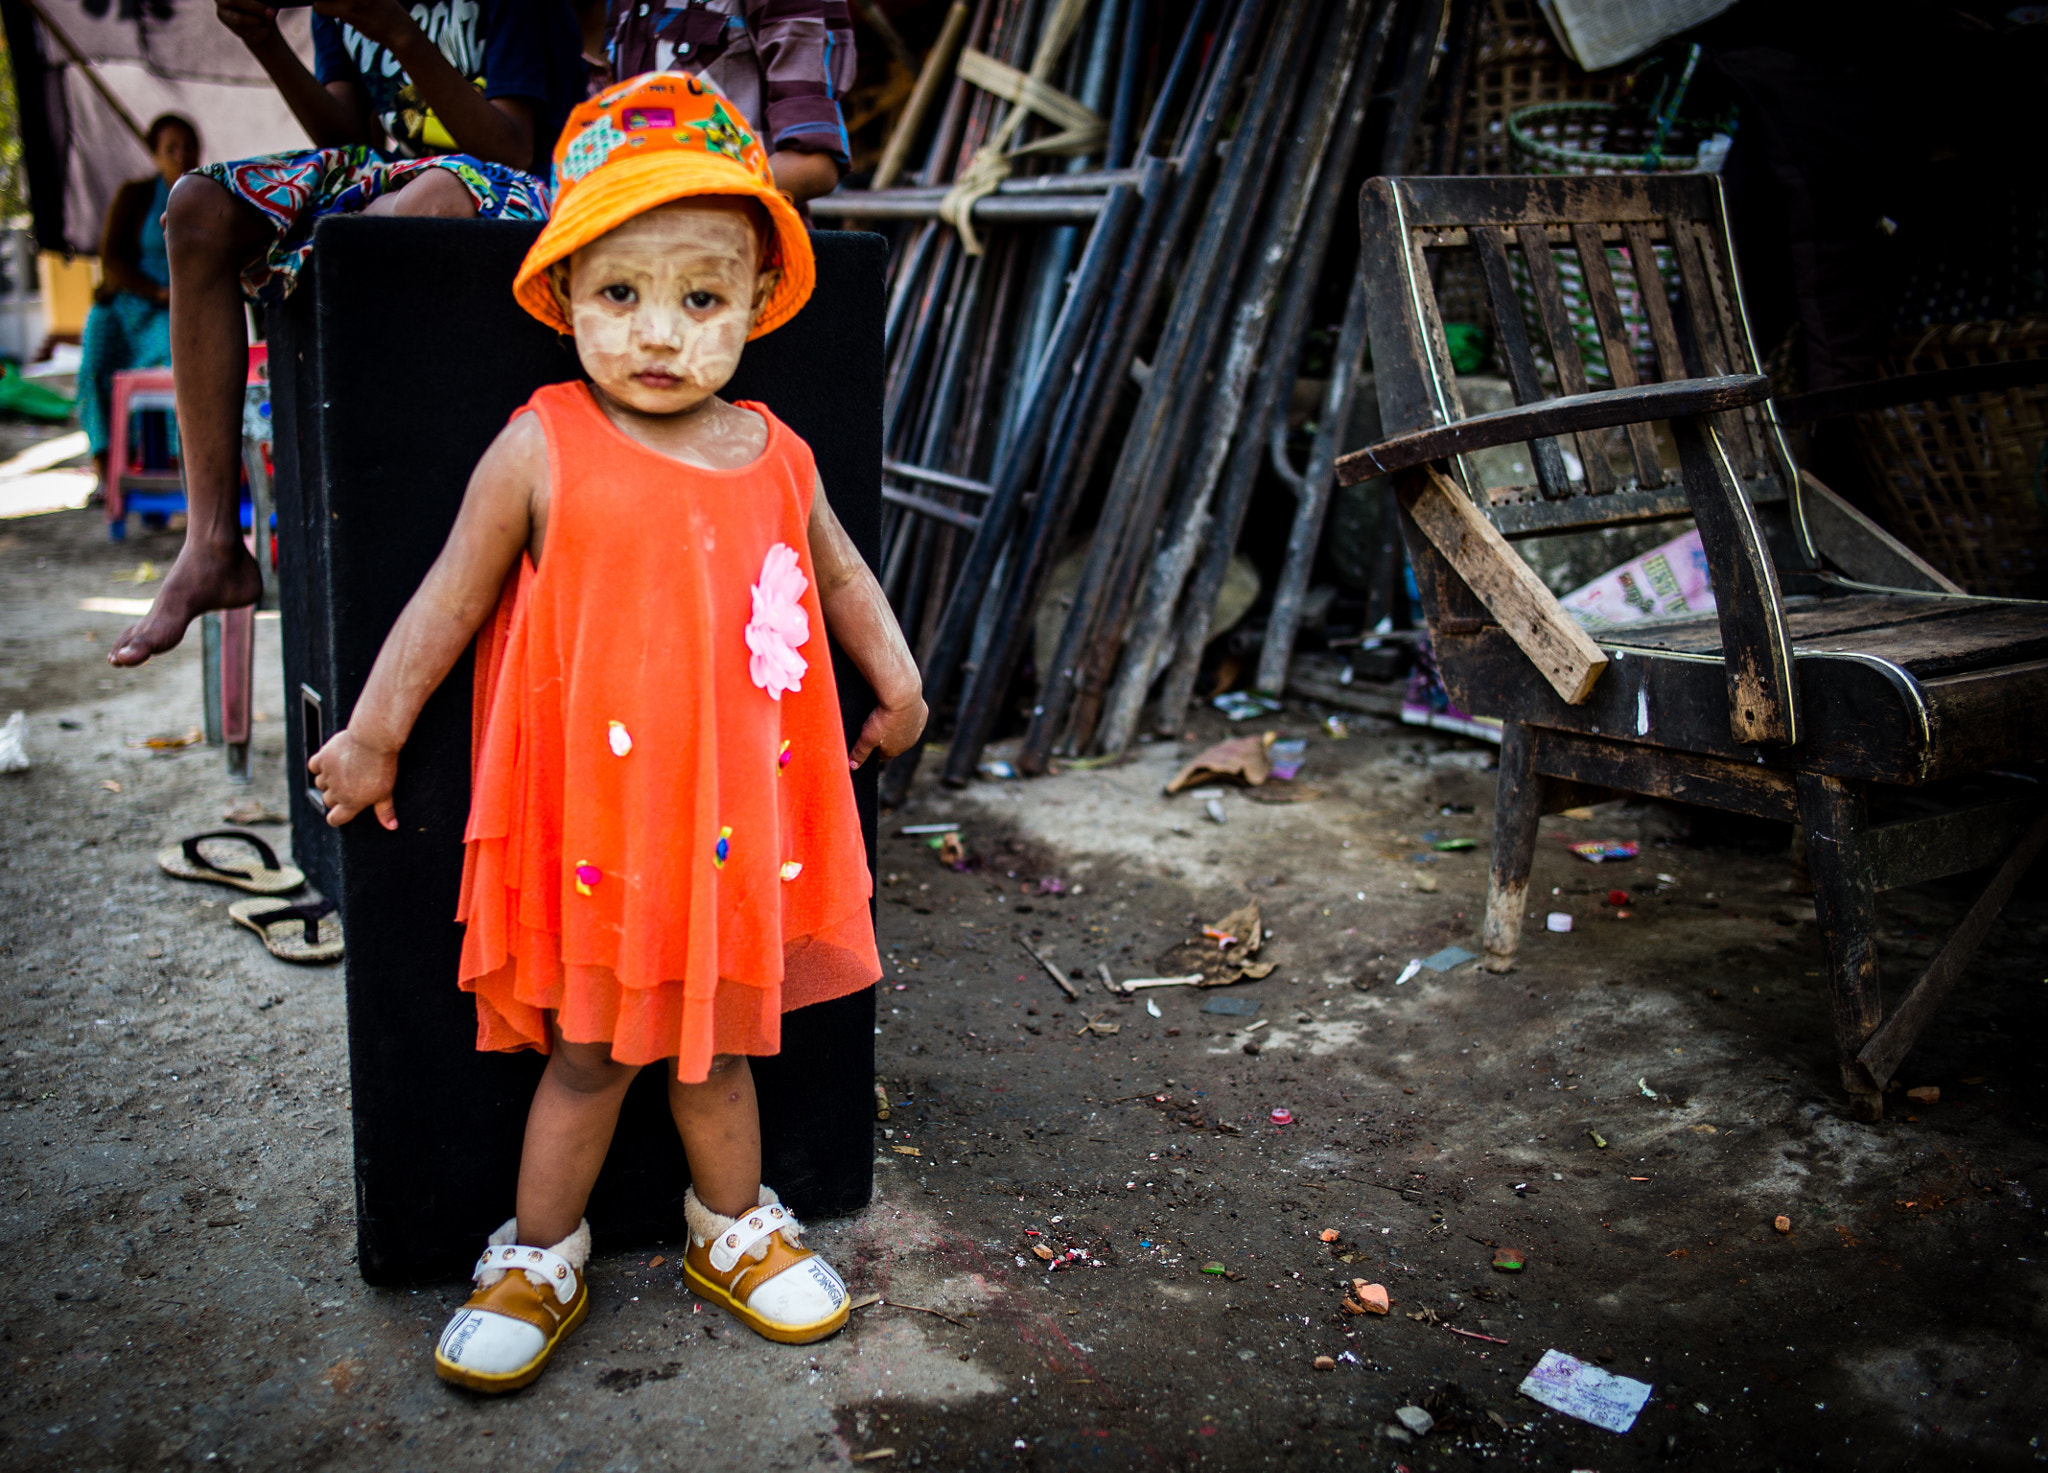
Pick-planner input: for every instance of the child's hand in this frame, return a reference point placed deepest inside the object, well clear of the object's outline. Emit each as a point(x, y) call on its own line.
point(353, 775)
point(889, 730)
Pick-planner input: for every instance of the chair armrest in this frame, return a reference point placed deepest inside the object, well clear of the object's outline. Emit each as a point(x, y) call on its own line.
point(1912, 388)
point(1681, 399)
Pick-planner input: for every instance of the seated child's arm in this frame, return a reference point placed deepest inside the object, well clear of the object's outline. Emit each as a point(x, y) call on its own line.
point(504, 513)
point(859, 617)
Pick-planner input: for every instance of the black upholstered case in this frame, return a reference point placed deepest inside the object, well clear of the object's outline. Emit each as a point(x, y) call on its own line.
point(394, 363)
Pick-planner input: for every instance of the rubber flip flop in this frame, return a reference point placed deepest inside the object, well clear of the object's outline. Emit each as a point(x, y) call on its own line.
point(269, 877)
point(308, 933)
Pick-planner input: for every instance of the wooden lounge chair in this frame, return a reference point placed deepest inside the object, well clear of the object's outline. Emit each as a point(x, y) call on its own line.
point(1841, 682)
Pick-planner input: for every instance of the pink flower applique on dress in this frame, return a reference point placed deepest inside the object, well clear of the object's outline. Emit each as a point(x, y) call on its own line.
point(779, 624)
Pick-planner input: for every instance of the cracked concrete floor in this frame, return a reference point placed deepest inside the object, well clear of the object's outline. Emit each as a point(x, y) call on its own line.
point(174, 1145)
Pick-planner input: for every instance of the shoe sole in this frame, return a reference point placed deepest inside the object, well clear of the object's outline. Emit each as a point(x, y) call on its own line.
point(767, 1329)
point(526, 1375)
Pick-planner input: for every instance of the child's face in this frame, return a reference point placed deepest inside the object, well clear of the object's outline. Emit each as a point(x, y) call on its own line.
point(663, 304)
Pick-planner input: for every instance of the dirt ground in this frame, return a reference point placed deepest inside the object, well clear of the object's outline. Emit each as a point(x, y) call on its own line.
point(175, 1170)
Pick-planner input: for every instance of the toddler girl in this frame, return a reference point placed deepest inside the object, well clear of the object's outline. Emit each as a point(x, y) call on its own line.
point(663, 852)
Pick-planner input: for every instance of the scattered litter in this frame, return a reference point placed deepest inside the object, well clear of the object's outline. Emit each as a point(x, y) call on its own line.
point(1617, 897)
point(1558, 921)
point(1597, 1139)
point(1782, 1223)
point(1664, 879)
point(1586, 1392)
point(110, 785)
point(1052, 969)
point(145, 572)
point(1287, 758)
point(1426, 1316)
point(1669, 579)
point(1255, 1027)
point(1329, 1235)
point(1281, 1115)
point(1242, 705)
point(1475, 1335)
point(881, 1101)
point(1336, 728)
point(1372, 1296)
point(997, 768)
point(1044, 1252)
point(1578, 815)
point(1214, 1268)
point(1450, 956)
point(910, 830)
point(1926, 1094)
point(1241, 759)
point(952, 853)
point(172, 741)
point(1098, 1027)
point(1507, 1260)
point(13, 750)
point(249, 810)
point(1224, 952)
point(876, 1456)
point(1214, 808)
point(1153, 1008)
point(1426, 884)
point(906, 1150)
point(1231, 1007)
point(1644, 1087)
point(1452, 846)
point(1600, 851)
point(657, 1260)
point(1414, 966)
point(1415, 1419)
point(1052, 885)
point(1132, 984)
point(1326, 1363)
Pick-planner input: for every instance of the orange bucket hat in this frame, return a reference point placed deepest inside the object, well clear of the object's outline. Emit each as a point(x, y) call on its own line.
point(645, 142)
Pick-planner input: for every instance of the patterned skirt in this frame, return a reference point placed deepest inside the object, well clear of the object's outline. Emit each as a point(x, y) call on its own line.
point(295, 190)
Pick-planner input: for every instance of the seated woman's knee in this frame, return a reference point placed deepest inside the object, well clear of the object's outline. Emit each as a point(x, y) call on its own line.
point(588, 1068)
point(434, 194)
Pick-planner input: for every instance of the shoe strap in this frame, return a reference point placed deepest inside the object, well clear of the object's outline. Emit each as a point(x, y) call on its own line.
point(763, 1222)
point(518, 1258)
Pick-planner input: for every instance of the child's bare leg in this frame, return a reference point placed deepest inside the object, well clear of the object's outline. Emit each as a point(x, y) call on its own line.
point(210, 236)
point(568, 1130)
point(720, 1124)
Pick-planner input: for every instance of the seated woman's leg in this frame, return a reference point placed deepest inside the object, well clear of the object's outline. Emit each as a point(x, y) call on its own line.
point(430, 193)
point(102, 354)
point(211, 236)
point(568, 1130)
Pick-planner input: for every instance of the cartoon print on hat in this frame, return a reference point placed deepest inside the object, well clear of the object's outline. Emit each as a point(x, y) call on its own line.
point(647, 142)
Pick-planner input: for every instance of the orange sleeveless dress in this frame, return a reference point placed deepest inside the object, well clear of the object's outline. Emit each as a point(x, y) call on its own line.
point(663, 848)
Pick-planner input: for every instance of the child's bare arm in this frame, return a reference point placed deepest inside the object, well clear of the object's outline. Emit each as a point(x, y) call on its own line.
point(860, 618)
point(506, 495)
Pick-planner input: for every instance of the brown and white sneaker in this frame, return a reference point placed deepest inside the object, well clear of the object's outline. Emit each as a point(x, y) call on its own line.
point(527, 1300)
point(754, 1268)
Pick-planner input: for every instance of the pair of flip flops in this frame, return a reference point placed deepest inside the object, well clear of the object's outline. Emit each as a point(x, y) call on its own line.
point(309, 932)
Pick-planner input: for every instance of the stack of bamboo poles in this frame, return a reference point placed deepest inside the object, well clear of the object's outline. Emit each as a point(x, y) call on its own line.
point(1101, 281)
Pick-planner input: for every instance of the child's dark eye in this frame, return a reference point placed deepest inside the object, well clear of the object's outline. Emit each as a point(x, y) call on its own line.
point(618, 293)
point(700, 301)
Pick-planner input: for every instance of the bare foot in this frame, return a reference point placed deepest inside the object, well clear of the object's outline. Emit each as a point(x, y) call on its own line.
point(202, 578)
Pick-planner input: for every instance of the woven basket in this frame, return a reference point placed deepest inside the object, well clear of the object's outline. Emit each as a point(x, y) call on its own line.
point(1596, 138)
point(1964, 481)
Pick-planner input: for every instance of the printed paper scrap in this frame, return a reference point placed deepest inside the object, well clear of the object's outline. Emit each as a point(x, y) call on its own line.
point(1665, 582)
point(1586, 1392)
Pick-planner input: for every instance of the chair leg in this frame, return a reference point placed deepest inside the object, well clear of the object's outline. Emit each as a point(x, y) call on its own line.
point(1518, 804)
point(1845, 903)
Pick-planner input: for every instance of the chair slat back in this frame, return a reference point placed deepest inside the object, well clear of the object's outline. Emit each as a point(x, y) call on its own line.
point(1592, 282)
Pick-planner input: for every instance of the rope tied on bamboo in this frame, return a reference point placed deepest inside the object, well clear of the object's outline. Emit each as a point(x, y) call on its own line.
point(1082, 130)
